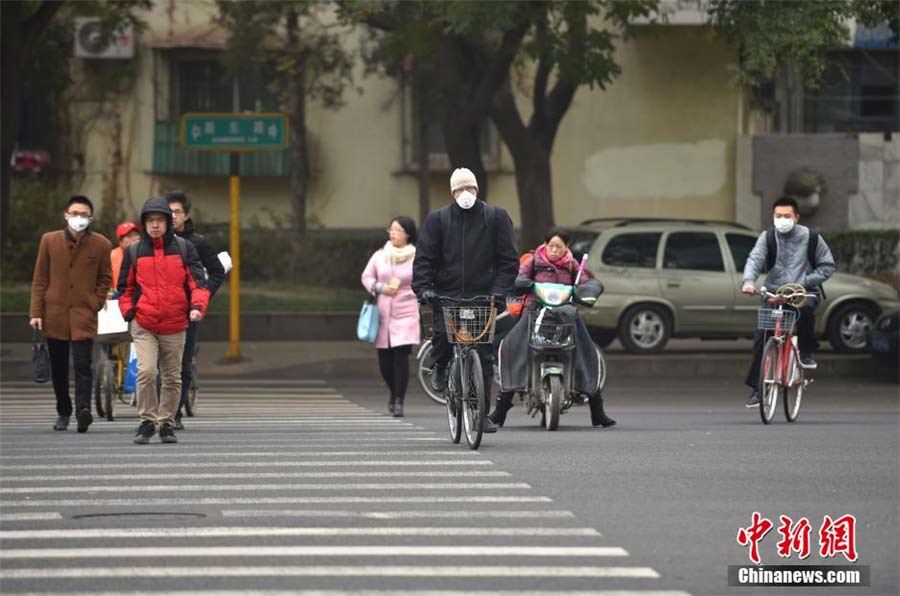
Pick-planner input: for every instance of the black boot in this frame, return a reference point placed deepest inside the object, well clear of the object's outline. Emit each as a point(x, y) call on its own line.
point(504, 404)
point(391, 405)
point(598, 416)
point(398, 407)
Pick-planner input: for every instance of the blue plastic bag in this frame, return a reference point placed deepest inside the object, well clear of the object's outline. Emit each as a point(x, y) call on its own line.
point(130, 383)
point(367, 326)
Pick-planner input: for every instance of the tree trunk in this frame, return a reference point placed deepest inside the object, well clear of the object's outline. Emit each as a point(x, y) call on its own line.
point(299, 148)
point(420, 95)
point(462, 138)
point(20, 34)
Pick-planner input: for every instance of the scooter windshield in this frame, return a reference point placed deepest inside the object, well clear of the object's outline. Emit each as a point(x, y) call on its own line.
point(553, 294)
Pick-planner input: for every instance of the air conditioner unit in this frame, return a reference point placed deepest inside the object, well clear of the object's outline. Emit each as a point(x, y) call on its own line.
point(89, 42)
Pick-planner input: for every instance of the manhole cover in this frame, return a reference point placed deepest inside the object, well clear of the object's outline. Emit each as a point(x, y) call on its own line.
point(139, 514)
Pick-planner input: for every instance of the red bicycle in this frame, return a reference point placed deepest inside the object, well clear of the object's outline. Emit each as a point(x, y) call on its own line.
point(781, 371)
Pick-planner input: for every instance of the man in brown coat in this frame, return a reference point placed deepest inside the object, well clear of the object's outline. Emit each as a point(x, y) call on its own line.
point(72, 274)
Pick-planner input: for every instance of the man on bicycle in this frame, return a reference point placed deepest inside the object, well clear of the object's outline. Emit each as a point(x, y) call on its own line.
point(790, 253)
point(465, 249)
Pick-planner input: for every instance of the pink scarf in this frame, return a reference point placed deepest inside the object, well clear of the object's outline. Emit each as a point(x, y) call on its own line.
point(561, 263)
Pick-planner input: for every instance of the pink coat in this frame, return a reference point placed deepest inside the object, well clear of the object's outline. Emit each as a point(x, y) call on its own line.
point(399, 314)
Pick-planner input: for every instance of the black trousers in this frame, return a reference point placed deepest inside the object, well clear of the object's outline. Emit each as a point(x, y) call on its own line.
point(443, 352)
point(805, 330)
point(190, 343)
point(394, 366)
point(59, 372)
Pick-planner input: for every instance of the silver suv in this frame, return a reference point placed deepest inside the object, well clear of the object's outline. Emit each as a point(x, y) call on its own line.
point(678, 278)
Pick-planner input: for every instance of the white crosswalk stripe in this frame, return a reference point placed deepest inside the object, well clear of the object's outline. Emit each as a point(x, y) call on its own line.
point(275, 483)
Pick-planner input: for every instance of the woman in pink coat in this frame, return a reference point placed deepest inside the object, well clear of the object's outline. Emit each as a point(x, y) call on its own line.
point(388, 276)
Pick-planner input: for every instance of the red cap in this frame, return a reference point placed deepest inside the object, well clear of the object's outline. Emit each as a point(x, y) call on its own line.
point(126, 227)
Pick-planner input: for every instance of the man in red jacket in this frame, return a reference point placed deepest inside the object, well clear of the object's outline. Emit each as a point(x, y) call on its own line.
point(161, 289)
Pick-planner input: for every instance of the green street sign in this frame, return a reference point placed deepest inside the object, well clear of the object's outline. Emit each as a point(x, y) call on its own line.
point(234, 132)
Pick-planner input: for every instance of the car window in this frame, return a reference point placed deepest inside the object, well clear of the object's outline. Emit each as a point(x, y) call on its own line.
point(581, 242)
point(693, 250)
point(740, 246)
point(632, 250)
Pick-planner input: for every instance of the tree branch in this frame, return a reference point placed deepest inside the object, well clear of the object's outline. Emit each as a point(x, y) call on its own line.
point(35, 25)
point(498, 71)
point(541, 76)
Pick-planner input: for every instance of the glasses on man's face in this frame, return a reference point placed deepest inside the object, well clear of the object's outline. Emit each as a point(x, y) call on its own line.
point(79, 214)
point(177, 211)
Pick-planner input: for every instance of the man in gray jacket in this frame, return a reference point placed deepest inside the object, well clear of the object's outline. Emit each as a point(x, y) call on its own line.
point(795, 261)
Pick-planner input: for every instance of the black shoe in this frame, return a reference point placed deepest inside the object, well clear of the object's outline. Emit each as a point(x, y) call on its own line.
point(146, 430)
point(439, 376)
point(753, 400)
point(178, 424)
point(598, 414)
point(167, 434)
point(84, 420)
point(807, 361)
point(391, 406)
point(398, 409)
point(62, 423)
point(488, 426)
point(498, 416)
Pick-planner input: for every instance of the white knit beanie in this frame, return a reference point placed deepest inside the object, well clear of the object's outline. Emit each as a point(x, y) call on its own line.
point(462, 177)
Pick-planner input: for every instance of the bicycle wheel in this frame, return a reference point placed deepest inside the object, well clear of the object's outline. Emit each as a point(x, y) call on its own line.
point(190, 406)
point(424, 362)
point(108, 376)
point(454, 411)
point(552, 390)
point(474, 403)
point(793, 393)
point(769, 383)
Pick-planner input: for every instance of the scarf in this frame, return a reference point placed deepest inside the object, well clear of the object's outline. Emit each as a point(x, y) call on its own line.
point(399, 255)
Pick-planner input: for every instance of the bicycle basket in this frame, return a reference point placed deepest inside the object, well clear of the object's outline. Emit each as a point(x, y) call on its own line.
point(770, 317)
point(469, 324)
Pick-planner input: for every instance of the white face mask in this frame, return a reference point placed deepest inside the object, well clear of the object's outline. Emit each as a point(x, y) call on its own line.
point(78, 223)
point(465, 200)
point(784, 224)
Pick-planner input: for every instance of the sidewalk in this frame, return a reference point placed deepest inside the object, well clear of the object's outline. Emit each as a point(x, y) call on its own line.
point(354, 359)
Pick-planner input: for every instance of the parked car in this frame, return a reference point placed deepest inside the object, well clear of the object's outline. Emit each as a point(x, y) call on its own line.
point(884, 338)
point(679, 278)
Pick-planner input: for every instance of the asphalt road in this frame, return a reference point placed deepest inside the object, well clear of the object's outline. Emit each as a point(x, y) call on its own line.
point(280, 486)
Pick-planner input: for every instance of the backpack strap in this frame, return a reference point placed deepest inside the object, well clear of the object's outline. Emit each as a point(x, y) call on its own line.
point(180, 243)
point(771, 249)
point(812, 247)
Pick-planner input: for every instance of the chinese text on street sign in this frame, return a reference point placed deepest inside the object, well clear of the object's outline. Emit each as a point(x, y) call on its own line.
point(234, 132)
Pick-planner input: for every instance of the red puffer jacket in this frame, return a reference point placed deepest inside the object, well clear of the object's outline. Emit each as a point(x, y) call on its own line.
point(162, 280)
point(540, 269)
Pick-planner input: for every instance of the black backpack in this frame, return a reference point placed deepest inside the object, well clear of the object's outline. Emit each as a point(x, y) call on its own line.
point(811, 248)
point(180, 242)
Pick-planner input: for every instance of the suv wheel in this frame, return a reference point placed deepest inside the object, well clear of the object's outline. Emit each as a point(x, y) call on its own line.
point(849, 326)
point(645, 328)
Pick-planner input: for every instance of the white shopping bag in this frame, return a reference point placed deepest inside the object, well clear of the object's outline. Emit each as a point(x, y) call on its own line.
point(225, 259)
point(109, 319)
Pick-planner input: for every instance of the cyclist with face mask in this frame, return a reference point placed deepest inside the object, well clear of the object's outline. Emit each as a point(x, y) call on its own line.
point(800, 256)
point(465, 249)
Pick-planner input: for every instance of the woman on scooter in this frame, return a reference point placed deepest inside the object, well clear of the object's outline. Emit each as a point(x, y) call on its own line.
point(552, 263)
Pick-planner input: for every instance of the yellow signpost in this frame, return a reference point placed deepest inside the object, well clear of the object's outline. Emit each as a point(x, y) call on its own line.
point(234, 133)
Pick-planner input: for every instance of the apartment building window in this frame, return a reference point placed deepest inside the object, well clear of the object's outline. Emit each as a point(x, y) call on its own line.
point(438, 159)
point(859, 93)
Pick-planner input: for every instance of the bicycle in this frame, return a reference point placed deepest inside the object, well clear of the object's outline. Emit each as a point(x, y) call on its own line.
point(468, 323)
point(781, 370)
point(109, 377)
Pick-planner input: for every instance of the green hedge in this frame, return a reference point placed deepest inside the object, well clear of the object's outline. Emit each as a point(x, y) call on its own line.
point(865, 252)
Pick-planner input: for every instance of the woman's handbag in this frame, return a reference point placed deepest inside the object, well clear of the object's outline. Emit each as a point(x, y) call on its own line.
point(40, 359)
point(367, 325)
